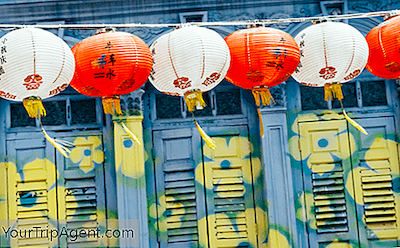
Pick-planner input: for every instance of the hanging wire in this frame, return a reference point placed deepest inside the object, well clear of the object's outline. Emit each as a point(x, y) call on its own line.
point(256, 22)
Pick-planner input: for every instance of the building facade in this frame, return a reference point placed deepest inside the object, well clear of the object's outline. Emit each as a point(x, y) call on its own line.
point(313, 180)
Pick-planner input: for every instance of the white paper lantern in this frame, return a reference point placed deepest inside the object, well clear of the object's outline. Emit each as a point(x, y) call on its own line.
point(189, 59)
point(34, 63)
point(330, 52)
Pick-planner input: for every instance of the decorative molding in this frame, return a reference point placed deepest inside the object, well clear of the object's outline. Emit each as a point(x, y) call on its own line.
point(278, 92)
point(334, 7)
point(375, 6)
point(132, 103)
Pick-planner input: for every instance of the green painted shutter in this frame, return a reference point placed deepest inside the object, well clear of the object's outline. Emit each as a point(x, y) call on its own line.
point(32, 190)
point(377, 165)
point(180, 196)
point(325, 157)
point(229, 189)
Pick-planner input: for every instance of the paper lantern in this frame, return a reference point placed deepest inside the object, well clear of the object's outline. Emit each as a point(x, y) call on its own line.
point(34, 64)
point(331, 53)
point(384, 44)
point(188, 61)
point(261, 58)
point(110, 64)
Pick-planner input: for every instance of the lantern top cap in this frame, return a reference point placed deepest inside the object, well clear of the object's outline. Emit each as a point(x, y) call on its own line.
point(184, 25)
point(391, 14)
point(105, 30)
point(321, 20)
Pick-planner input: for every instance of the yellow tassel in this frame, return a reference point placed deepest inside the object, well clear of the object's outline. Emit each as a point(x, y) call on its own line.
point(111, 105)
point(131, 135)
point(209, 141)
point(194, 100)
point(355, 124)
point(333, 91)
point(34, 107)
point(263, 93)
point(59, 144)
point(261, 122)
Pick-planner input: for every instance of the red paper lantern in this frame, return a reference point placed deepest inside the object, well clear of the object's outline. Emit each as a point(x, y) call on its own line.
point(261, 58)
point(384, 44)
point(110, 64)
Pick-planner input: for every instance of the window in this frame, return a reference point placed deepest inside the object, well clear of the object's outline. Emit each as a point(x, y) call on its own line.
point(220, 102)
point(68, 108)
point(356, 94)
point(200, 16)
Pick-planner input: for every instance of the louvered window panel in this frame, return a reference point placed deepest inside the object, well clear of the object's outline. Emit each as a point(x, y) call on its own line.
point(81, 206)
point(32, 212)
point(378, 197)
point(329, 201)
point(180, 209)
point(230, 221)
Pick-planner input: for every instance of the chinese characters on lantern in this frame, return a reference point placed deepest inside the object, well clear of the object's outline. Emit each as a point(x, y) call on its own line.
point(103, 60)
point(3, 60)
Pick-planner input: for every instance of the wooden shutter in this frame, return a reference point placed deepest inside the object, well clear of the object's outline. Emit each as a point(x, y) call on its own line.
point(179, 191)
point(325, 161)
point(81, 195)
point(31, 189)
point(376, 159)
point(229, 189)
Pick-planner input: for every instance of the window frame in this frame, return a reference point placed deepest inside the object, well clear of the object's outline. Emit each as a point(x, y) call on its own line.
point(66, 96)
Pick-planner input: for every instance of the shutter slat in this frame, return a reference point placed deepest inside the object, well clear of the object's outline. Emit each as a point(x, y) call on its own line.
point(386, 178)
point(227, 208)
point(177, 191)
point(234, 194)
point(180, 197)
point(379, 205)
point(389, 198)
point(181, 211)
point(381, 172)
point(231, 228)
point(380, 219)
point(179, 218)
point(180, 204)
point(228, 180)
point(377, 192)
point(231, 235)
point(182, 231)
point(330, 209)
point(381, 212)
point(377, 185)
point(327, 182)
point(228, 221)
point(235, 187)
point(223, 173)
point(223, 201)
point(329, 196)
point(181, 224)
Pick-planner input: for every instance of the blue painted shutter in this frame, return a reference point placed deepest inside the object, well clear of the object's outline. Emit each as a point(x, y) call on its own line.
point(376, 169)
point(325, 160)
point(81, 184)
point(31, 188)
point(180, 194)
point(229, 189)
